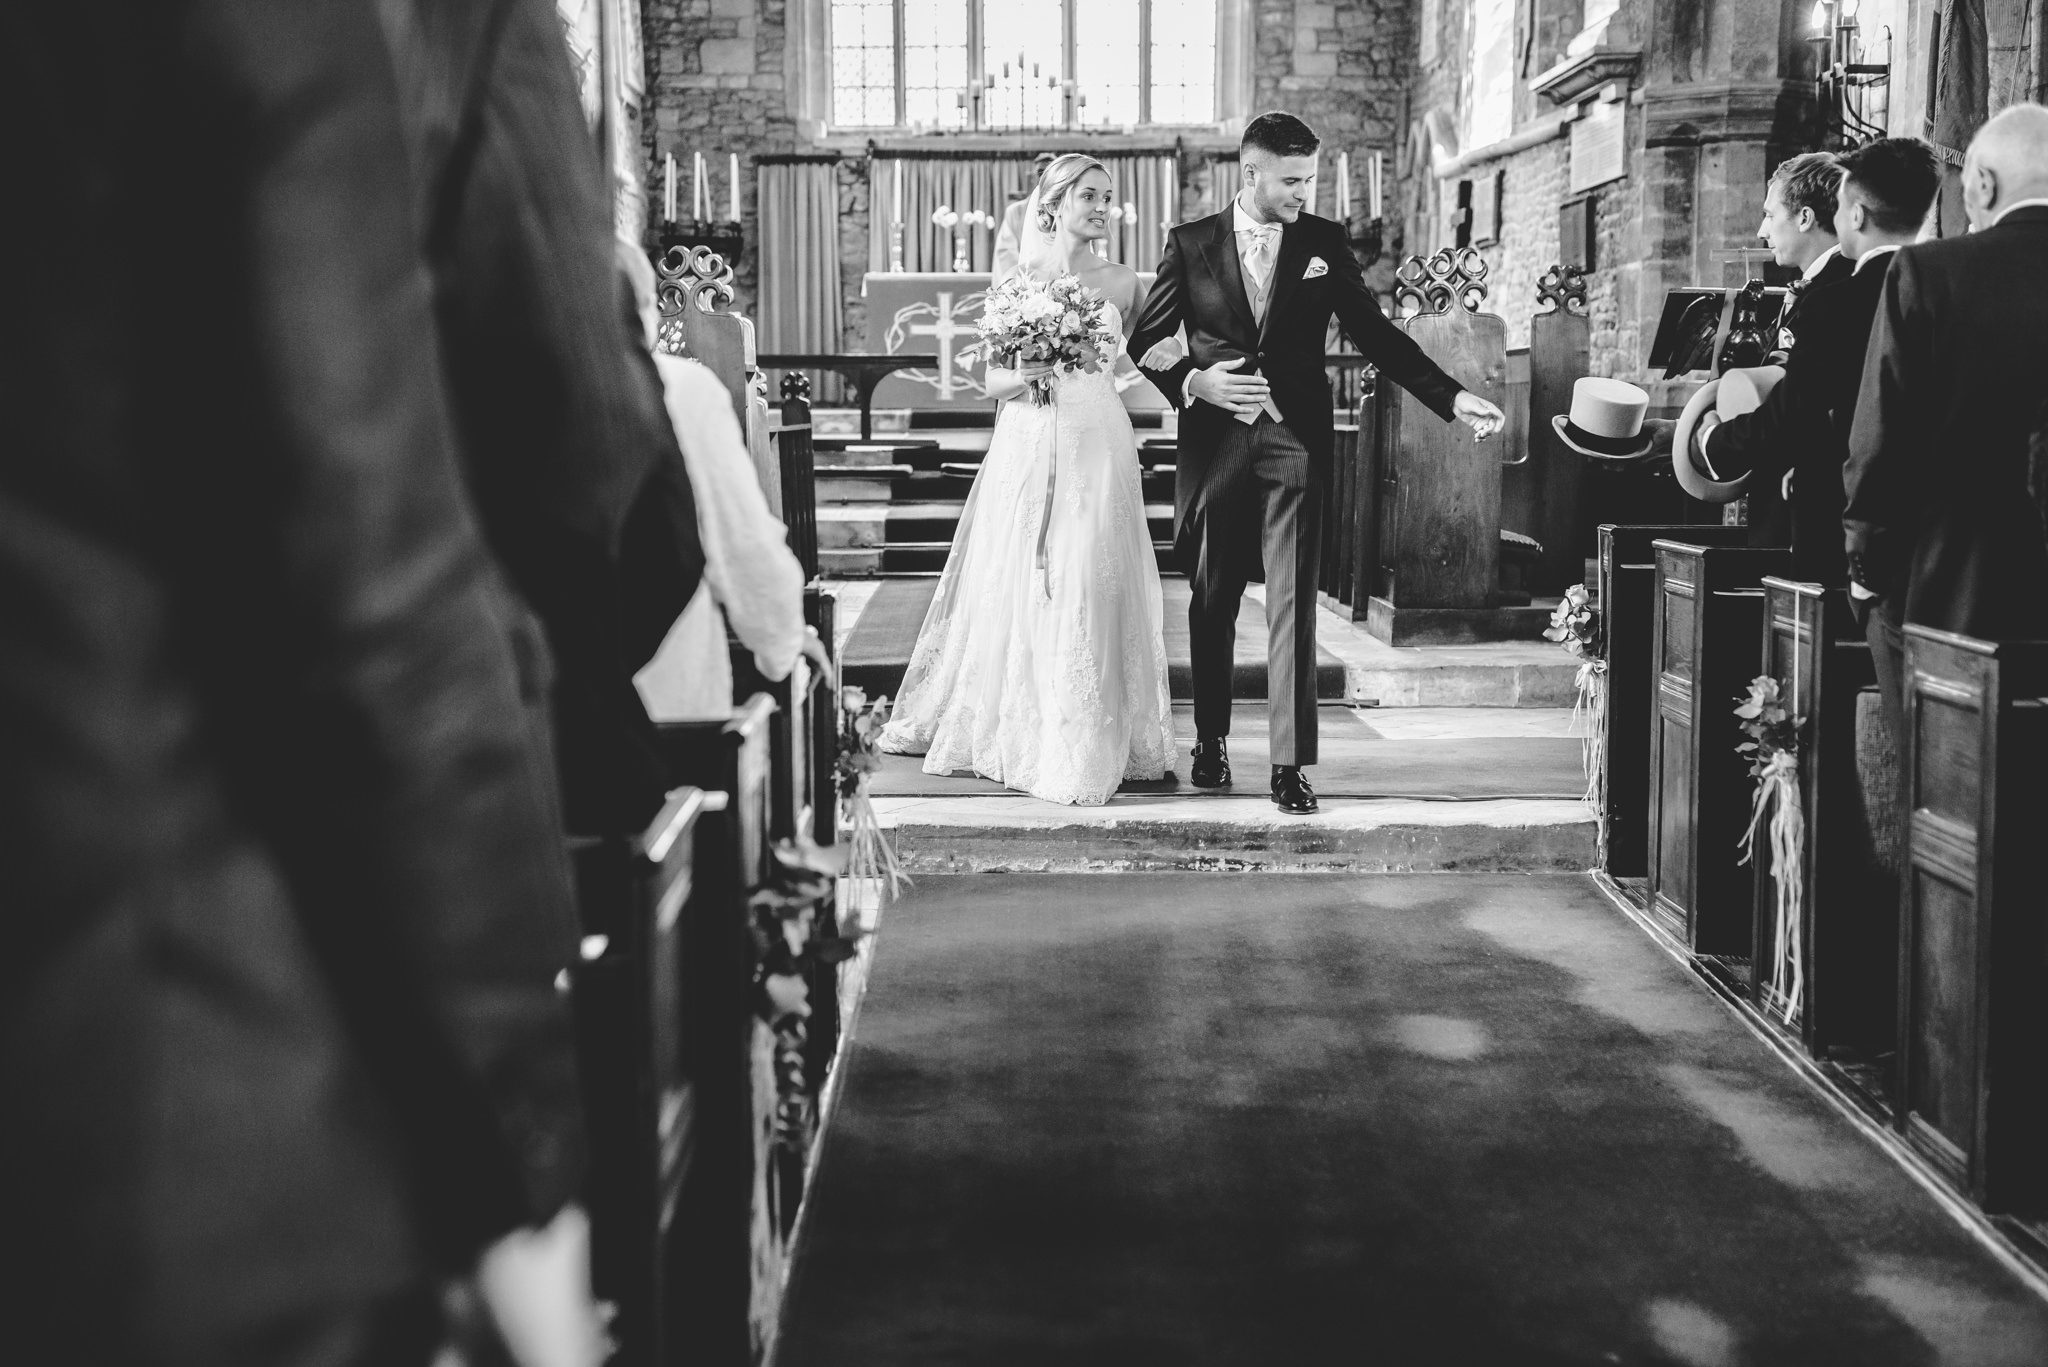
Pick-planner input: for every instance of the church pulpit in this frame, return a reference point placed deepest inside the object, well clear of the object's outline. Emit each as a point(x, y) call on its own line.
point(1973, 1055)
point(1628, 615)
point(1849, 947)
point(1708, 646)
point(640, 915)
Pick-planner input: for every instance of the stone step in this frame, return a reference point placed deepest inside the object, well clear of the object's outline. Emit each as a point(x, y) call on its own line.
point(1217, 834)
point(874, 523)
point(929, 557)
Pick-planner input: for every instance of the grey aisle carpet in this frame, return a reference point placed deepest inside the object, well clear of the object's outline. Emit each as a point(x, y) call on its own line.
point(1384, 1119)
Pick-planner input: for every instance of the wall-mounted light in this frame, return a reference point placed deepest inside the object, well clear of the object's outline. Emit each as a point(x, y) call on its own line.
point(1854, 92)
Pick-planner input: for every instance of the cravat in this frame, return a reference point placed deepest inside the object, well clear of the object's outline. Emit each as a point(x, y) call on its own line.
point(1259, 262)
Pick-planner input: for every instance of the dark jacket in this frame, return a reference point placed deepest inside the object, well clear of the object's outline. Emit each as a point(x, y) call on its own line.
point(1803, 427)
point(1938, 501)
point(282, 884)
point(569, 451)
point(1201, 285)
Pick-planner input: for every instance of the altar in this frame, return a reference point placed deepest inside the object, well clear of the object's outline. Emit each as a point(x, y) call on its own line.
point(938, 313)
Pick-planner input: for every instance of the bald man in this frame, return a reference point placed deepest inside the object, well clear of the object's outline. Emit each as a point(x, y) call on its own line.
point(1940, 525)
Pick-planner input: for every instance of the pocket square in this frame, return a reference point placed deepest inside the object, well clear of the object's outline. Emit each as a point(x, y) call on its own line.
point(1316, 266)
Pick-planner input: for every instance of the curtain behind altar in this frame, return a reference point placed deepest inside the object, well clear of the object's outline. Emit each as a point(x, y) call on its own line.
point(1148, 180)
point(800, 302)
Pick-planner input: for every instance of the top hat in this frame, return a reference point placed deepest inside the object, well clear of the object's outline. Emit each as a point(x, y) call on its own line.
point(1740, 391)
point(1606, 421)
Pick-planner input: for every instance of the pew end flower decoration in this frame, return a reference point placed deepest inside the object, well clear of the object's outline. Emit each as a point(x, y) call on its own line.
point(1063, 323)
point(1771, 734)
point(871, 854)
point(1575, 624)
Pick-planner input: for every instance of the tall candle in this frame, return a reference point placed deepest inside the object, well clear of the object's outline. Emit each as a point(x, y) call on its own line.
point(1375, 185)
point(697, 185)
point(733, 200)
point(896, 190)
point(668, 194)
point(1344, 186)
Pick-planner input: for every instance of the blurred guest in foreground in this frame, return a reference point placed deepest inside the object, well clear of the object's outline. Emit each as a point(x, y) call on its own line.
point(284, 884)
point(1940, 526)
point(578, 483)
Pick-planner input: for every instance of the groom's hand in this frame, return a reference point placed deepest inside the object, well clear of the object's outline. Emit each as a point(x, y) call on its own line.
point(1482, 417)
point(1238, 393)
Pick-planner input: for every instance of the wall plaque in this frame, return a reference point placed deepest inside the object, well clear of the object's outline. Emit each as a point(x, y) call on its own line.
point(1599, 151)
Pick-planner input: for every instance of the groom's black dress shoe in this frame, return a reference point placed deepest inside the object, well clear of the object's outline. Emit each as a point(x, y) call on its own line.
point(1291, 792)
point(1211, 768)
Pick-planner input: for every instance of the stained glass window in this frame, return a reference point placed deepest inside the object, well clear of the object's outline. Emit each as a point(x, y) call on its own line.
point(863, 63)
point(934, 63)
point(1491, 114)
point(1183, 61)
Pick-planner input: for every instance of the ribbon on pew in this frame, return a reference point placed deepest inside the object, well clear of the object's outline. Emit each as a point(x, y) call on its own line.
point(1774, 730)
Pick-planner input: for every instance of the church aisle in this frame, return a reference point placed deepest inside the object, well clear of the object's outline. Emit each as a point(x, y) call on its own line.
point(1451, 1118)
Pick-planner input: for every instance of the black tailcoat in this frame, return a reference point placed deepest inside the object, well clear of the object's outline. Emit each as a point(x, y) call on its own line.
point(1803, 428)
point(1201, 285)
point(1939, 508)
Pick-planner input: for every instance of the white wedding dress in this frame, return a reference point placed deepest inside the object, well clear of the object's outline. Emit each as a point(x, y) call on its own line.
point(1048, 680)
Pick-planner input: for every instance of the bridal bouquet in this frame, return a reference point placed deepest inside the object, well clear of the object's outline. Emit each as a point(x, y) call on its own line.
point(1064, 322)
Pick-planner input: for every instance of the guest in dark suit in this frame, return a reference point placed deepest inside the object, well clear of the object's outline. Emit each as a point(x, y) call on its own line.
point(577, 477)
point(1799, 438)
point(1799, 227)
point(1255, 287)
point(1940, 528)
point(284, 887)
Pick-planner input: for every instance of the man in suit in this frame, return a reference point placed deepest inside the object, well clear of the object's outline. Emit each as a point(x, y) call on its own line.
point(1255, 287)
point(1799, 227)
point(1798, 439)
point(1940, 526)
point(578, 481)
point(285, 890)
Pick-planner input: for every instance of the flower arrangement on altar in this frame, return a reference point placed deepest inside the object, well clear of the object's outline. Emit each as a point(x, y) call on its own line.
point(953, 220)
point(1575, 624)
point(1771, 743)
point(1063, 322)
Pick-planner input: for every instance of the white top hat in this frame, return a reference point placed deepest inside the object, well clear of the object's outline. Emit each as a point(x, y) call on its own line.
point(1606, 421)
point(1742, 390)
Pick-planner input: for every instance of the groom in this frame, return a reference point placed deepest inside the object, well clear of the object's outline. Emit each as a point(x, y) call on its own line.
point(1255, 287)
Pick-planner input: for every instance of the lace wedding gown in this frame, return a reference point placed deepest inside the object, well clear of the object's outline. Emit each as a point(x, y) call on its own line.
point(1049, 680)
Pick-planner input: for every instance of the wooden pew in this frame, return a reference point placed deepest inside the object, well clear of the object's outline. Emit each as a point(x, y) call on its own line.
point(1849, 947)
point(796, 463)
point(803, 732)
point(730, 1250)
point(1708, 636)
point(1628, 613)
point(1972, 907)
point(641, 919)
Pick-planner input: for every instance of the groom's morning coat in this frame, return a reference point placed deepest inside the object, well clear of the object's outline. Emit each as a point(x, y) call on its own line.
point(1201, 285)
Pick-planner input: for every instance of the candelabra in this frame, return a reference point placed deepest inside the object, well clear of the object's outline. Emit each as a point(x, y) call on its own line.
point(1849, 86)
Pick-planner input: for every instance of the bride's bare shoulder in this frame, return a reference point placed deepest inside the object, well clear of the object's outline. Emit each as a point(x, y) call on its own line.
point(1118, 283)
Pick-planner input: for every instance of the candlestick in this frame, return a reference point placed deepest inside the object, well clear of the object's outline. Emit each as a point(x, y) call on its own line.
point(668, 194)
point(733, 202)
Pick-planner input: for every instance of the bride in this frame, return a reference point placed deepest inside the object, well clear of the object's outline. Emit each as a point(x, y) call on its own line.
point(1052, 681)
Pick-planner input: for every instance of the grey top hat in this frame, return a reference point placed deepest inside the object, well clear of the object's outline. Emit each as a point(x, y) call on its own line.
point(1606, 420)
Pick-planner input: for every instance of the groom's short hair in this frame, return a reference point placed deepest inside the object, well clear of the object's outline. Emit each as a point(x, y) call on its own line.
point(1277, 135)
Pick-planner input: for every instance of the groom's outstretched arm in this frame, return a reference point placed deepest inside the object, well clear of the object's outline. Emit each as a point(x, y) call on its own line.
point(1160, 318)
point(1383, 343)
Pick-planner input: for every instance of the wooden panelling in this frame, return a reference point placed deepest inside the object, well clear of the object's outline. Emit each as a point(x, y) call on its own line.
point(1972, 1009)
point(1708, 634)
point(1628, 603)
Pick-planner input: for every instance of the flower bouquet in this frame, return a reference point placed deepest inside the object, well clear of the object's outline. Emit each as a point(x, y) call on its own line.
point(1064, 323)
point(1772, 747)
point(1575, 624)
